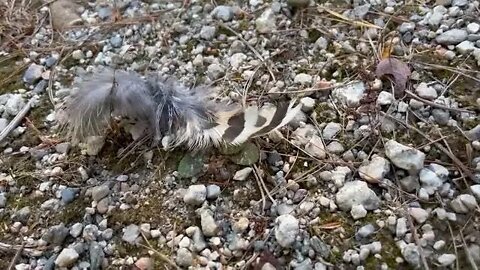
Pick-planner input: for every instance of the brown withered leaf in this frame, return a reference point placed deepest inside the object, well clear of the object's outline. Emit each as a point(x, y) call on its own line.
point(397, 69)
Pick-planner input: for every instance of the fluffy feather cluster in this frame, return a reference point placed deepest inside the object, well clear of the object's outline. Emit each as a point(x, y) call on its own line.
point(161, 109)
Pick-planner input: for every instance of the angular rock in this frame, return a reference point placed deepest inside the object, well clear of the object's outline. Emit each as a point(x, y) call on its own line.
point(131, 233)
point(355, 193)
point(375, 170)
point(452, 37)
point(286, 230)
point(242, 174)
point(195, 195)
point(266, 22)
point(67, 257)
point(404, 157)
point(351, 94)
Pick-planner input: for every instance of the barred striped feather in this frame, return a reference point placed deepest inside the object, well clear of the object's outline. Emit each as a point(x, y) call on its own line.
point(160, 106)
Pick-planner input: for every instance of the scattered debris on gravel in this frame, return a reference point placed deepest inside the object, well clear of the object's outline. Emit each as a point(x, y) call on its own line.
point(381, 169)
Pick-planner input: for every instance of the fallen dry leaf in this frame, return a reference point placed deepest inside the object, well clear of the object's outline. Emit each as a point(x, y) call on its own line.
point(397, 69)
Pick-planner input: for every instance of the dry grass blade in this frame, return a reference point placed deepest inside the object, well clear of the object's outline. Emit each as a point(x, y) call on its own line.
point(159, 254)
point(344, 19)
point(17, 22)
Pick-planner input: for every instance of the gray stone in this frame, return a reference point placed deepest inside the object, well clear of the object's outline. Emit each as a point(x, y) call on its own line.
point(224, 13)
point(242, 174)
point(437, 16)
point(385, 98)
point(375, 170)
point(78, 55)
point(419, 215)
point(473, 28)
point(33, 74)
point(460, 3)
point(209, 226)
point(184, 257)
point(404, 157)
point(335, 148)
point(361, 11)
point(195, 195)
point(446, 259)
point(411, 254)
point(3, 200)
point(475, 191)
point(215, 71)
point(56, 235)
point(303, 78)
point(96, 256)
point(299, 195)
point(237, 59)
point(286, 230)
point(76, 230)
point(401, 228)
point(3, 124)
point(131, 233)
point(442, 117)
point(68, 195)
point(100, 192)
point(358, 211)
point(426, 92)
point(62, 148)
point(351, 94)
point(315, 147)
point(330, 130)
point(22, 215)
point(452, 37)
point(102, 205)
point(14, 104)
point(116, 41)
point(104, 12)
point(356, 193)
point(67, 257)
point(199, 243)
point(321, 43)
point(406, 27)
point(90, 232)
point(410, 183)
point(320, 247)
point(465, 47)
point(365, 231)
point(308, 104)
point(432, 177)
point(208, 32)
point(213, 191)
point(266, 22)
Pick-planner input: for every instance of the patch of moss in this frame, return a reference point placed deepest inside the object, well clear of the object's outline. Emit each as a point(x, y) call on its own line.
point(313, 35)
point(71, 213)
point(324, 113)
point(151, 211)
point(244, 25)
point(10, 74)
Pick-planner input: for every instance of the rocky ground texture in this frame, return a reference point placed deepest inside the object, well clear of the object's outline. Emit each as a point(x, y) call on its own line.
point(381, 170)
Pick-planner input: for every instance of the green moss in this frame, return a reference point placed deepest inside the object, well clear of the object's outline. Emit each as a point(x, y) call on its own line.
point(71, 213)
point(313, 35)
point(324, 113)
point(10, 74)
point(150, 211)
point(244, 25)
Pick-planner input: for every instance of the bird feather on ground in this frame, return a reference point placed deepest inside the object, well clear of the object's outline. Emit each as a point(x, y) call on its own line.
point(163, 110)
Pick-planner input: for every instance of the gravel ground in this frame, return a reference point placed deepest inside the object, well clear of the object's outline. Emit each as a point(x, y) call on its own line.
point(376, 172)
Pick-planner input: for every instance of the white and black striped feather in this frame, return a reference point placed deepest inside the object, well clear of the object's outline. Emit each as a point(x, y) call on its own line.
point(161, 106)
